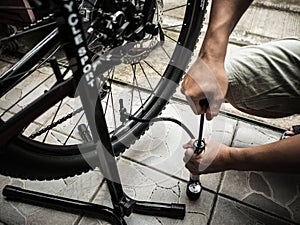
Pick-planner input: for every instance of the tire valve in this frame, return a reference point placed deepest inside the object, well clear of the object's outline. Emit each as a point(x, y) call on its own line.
point(84, 133)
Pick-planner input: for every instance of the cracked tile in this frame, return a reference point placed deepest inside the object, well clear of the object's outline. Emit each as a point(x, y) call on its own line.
point(10, 215)
point(268, 204)
point(269, 191)
point(295, 209)
point(14, 94)
point(257, 183)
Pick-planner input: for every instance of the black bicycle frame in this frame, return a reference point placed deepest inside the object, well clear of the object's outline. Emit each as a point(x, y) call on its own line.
point(22, 68)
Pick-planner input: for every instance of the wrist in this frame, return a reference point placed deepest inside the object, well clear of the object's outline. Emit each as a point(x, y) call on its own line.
point(214, 47)
point(235, 159)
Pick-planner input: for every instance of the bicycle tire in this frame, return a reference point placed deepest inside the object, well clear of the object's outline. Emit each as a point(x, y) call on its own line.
point(29, 159)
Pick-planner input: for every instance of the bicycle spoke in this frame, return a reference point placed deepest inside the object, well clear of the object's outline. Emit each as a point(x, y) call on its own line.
point(138, 73)
point(75, 126)
point(152, 67)
point(55, 114)
point(143, 71)
point(34, 68)
point(177, 7)
point(172, 26)
point(112, 71)
point(165, 51)
point(134, 75)
point(113, 111)
point(170, 38)
point(19, 100)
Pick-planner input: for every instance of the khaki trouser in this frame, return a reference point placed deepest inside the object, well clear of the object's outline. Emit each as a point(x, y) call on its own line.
point(266, 78)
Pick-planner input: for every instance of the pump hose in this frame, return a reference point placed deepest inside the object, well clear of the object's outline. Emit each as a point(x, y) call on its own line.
point(158, 119)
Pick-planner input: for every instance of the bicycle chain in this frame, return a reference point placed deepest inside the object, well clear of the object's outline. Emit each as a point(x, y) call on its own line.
point(55, 124)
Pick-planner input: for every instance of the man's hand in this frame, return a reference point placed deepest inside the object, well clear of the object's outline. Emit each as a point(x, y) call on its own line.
point(204, 82)
point(280, 156)
point(207, 79)
point(215, 158)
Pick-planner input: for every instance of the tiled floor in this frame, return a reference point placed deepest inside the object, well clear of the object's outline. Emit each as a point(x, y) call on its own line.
point(153, 169)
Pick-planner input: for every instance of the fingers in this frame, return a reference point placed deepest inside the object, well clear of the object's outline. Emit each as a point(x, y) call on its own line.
point(198, 101)
point(212, 111)
point(192, 161)
point(193, 168)
point(201, 83)
point(190, 144)
point(188, 155)
point(190, 158)
point(194, 104)
point(193, 94)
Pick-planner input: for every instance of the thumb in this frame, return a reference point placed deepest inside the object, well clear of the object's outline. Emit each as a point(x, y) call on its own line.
point(190, 144)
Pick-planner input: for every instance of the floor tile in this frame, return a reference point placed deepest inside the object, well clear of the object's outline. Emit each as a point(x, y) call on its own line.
point(276, 193)
point(229, 212)
point(252, 135)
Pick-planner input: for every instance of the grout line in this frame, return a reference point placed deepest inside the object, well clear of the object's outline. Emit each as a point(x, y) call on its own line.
point(215, 199)
point(98, 190)
point(153, 168)
point(284, 9)
point(80, 217)
point(253, 207)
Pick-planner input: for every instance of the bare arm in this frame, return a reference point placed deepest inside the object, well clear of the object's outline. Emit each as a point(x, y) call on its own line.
point(225, 14)
point(280, 156)
point(206, 78)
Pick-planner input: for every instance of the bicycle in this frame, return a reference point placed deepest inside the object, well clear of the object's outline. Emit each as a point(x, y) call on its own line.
point(73, 50)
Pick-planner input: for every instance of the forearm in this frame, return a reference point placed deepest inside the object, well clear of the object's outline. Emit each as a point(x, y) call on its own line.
point(207, 78)
point(223, 17)
point(280, 156)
